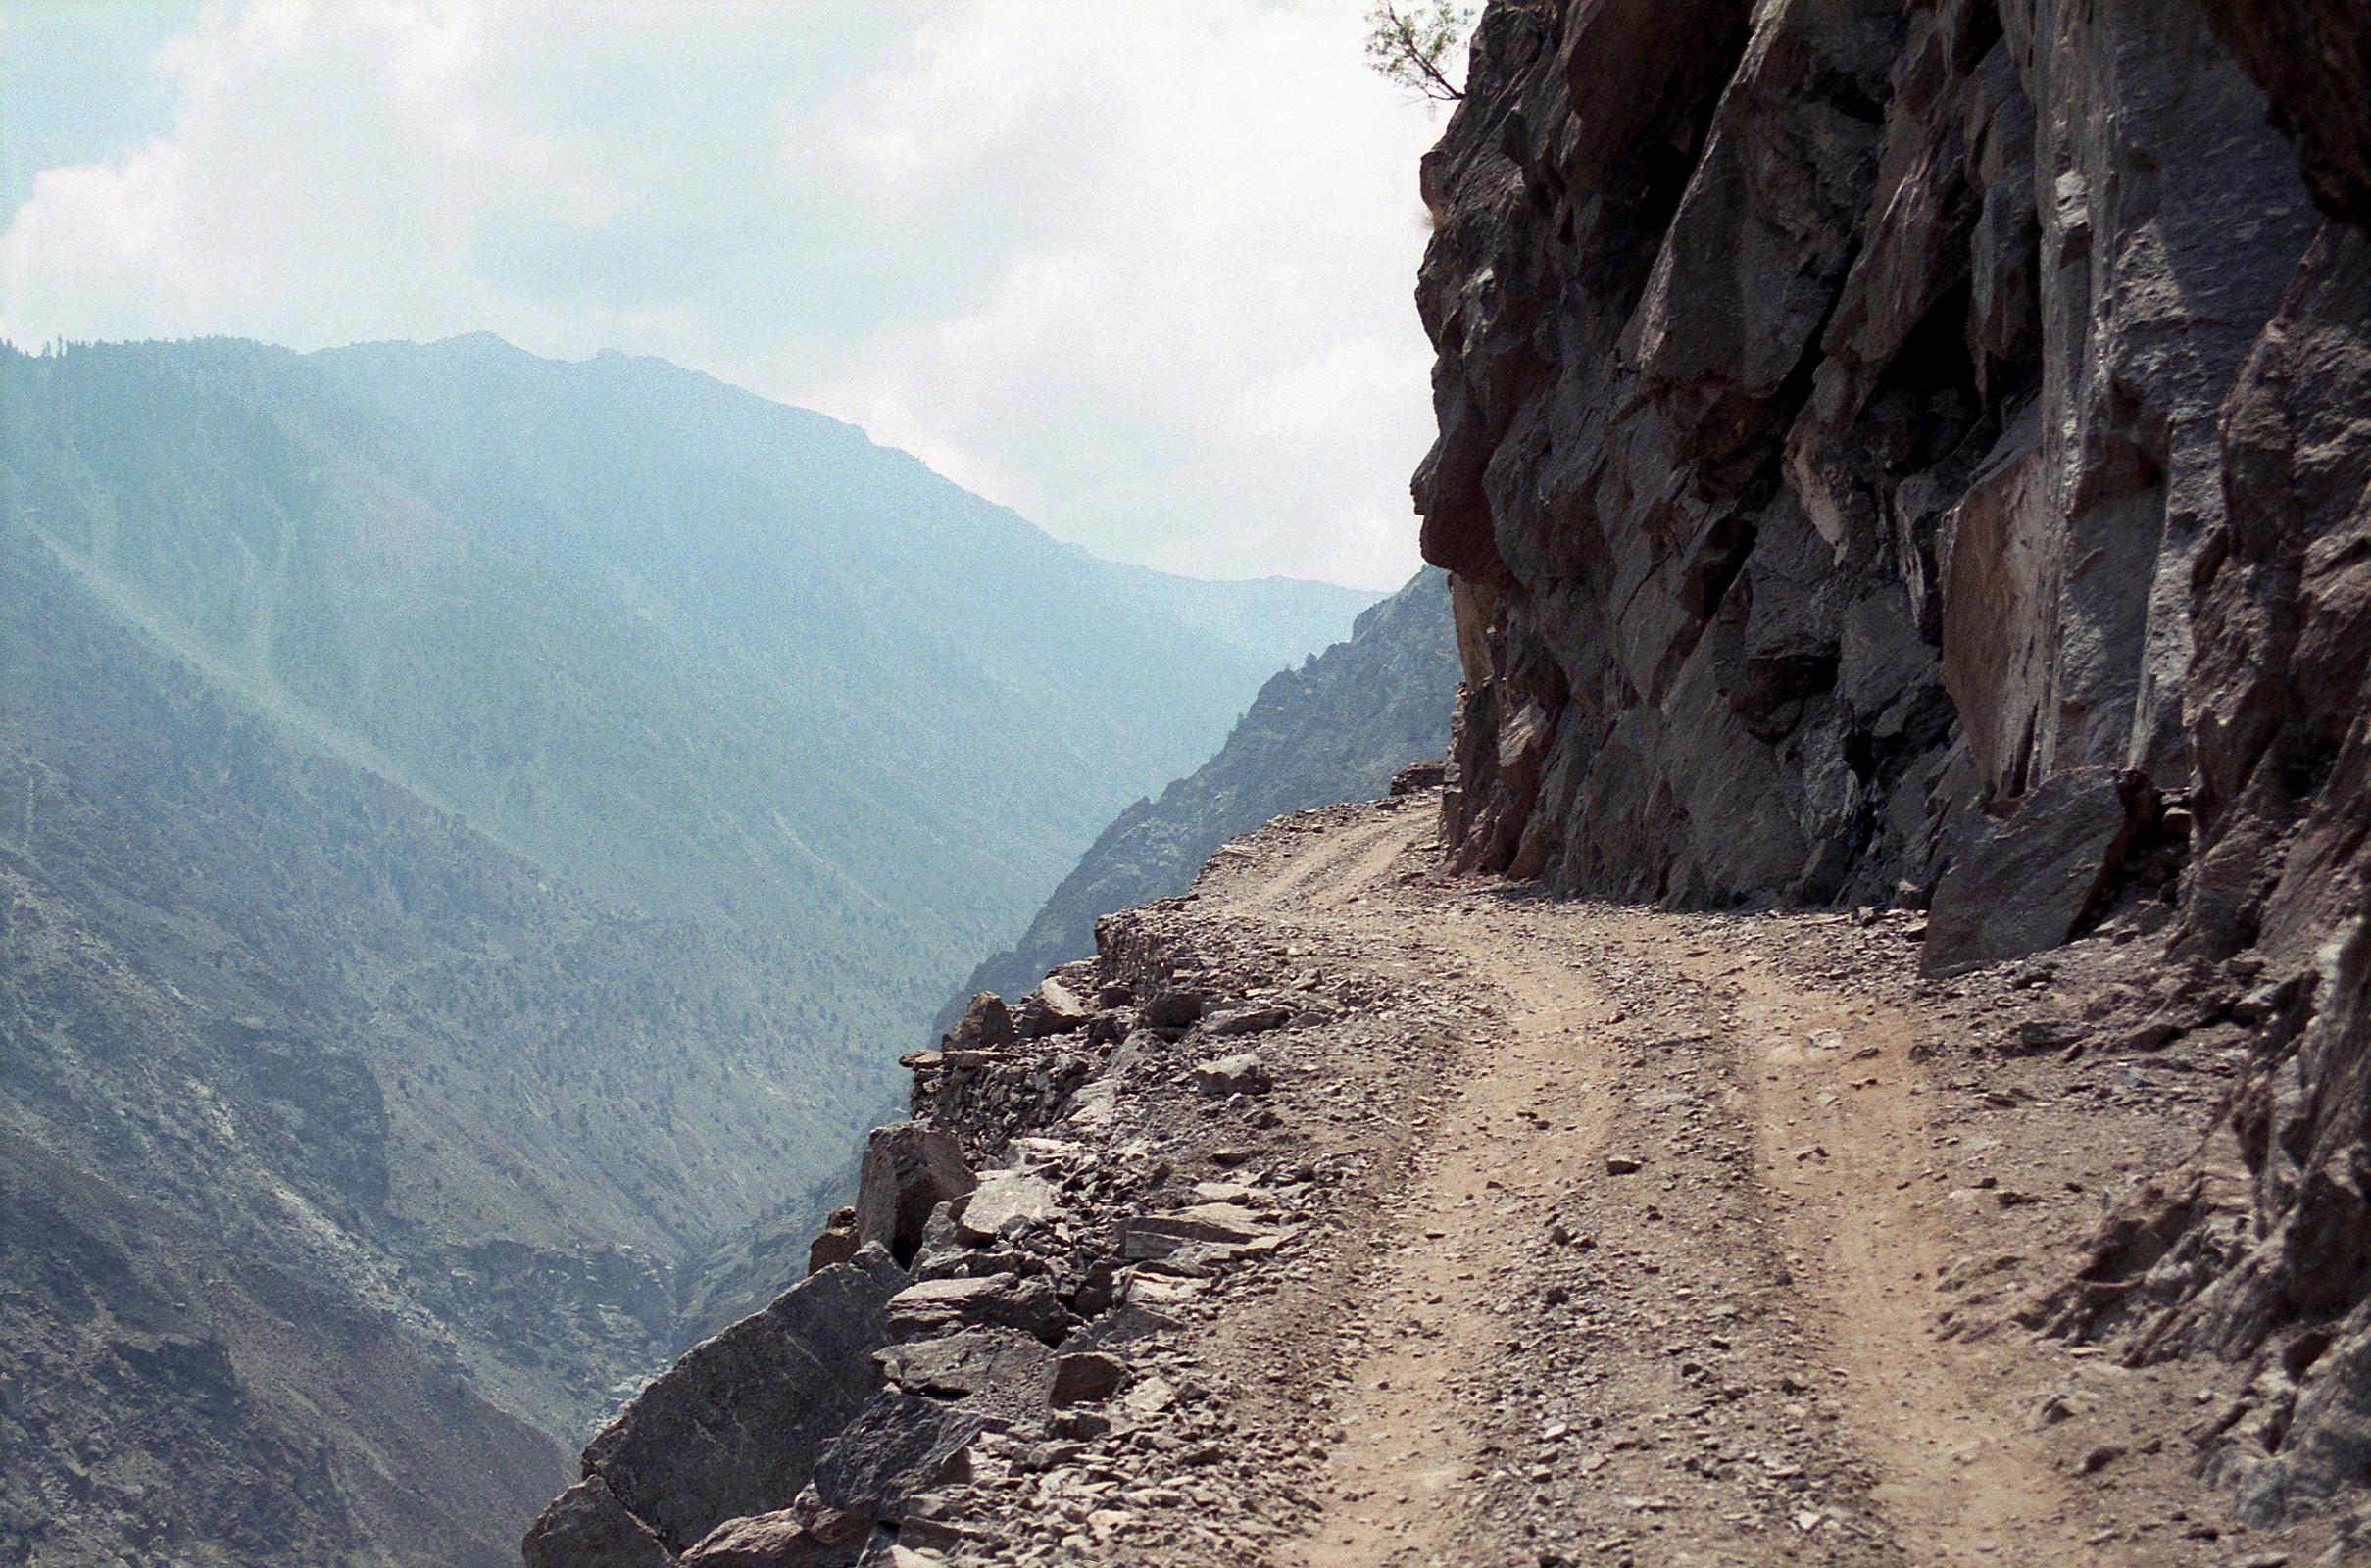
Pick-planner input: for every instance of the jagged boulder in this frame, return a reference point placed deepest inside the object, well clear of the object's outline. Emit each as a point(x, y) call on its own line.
point(1005, 1201)
point(908, 1169)
point(1179, 1007)
point(900, 1445)
point(837, 1243)
point(1249, 1020)
point(732, 1428)
point(973, 1362)
point(986, 1025)
point(1242, 1073)
point(929, 1308)
point(2023, 882)
point(808, 1534)
point(768, 1540)
point(1087, 1377)
point(1417, 777)
point(1053, 1008)
point(588, 1527)
point(1219, 1226)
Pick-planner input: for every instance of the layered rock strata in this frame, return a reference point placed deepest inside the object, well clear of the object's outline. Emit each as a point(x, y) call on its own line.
point(1915, 451)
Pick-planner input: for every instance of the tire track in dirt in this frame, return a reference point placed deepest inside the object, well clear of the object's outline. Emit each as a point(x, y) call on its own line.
point(1828, 1104)
point(1842, 1131)
point(1342, 866)
point(1410, 1448)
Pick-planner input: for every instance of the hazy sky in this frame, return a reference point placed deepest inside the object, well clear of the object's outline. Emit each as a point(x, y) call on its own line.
point(1141, 269)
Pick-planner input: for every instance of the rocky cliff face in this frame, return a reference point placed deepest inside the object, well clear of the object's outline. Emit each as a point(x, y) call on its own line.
point(1914, 451)
point(1335, 729)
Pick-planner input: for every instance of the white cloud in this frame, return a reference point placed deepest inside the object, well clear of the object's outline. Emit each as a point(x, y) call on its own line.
point(1142, 271)
point(328, 169)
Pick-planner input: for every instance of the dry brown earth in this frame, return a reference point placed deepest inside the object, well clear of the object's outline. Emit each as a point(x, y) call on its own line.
point(1628, 1237)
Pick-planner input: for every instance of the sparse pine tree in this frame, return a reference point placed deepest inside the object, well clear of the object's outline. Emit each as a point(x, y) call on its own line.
point(1411, 43)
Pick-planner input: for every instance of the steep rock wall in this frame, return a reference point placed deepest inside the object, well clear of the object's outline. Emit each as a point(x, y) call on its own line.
point(1914, 450)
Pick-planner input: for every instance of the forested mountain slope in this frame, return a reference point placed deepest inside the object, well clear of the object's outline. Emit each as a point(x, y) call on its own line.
point(1336, 729)
point(474, 831)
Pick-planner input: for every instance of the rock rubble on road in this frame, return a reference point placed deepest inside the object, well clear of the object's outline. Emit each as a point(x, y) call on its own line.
point(1550, 1233)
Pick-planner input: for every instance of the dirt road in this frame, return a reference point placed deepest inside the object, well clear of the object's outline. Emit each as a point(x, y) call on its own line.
point(1619, 1235)
point(1796, 1196)
point(1751, 1152)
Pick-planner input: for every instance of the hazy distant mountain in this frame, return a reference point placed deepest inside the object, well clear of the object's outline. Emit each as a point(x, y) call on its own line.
point(474, 833)
point(1333, 730)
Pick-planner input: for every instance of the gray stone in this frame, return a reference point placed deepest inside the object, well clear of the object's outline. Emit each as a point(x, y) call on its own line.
point(588, 1527)
point(899, 1445)
point(838, 1242)
point(1241, 1073)
point(2024, 882)
point(1173, 1010)
point(907, 1171)
point(985, 1025)
point(931, 1309)
point(735, 1426)
point(1005, 1201)
point(1248, 1020)
point(1417, 777)
point(1158, 1236)
point(1087, 1377)
point(976, 1361)
point(777, 1540)
point(2313, 57)
point(1053, 1008)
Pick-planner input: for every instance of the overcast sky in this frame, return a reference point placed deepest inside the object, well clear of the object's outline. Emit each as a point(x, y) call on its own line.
point(1140, 268)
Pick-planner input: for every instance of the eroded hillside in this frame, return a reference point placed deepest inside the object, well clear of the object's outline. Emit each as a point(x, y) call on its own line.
point(473, 834)
point(1335, 729)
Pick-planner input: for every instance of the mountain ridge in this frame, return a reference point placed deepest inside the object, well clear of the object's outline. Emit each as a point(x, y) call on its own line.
point(511, 813)
point(1335, 729)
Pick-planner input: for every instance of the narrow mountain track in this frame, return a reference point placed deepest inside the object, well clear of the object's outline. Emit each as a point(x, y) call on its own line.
point(1654, 1277)
point(1571, 1233)
point(1412, 1445)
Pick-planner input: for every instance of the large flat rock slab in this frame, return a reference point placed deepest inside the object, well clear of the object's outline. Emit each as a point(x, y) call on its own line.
point(2023, 883)
point(736, 1427)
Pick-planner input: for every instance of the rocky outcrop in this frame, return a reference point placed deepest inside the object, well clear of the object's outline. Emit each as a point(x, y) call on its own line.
point(909, 1170)
point(1913, 452)
point(2312, 57)
point(1012, 1251)
point(2260, 1247)
point(1334, 729)
point(735, 1429)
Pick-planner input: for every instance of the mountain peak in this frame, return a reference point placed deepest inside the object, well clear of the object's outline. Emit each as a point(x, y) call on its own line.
point(482, 342)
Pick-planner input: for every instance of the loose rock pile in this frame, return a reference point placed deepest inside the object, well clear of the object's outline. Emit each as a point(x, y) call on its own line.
point(992, 1374)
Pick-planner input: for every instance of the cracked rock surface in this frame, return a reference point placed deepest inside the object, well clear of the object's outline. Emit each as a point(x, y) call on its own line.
point(1914, 454)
